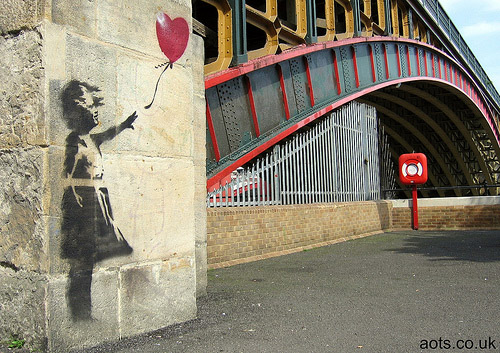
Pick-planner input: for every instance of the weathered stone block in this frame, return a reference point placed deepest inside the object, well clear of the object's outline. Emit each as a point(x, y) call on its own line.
point(20, 14)
point(22, 229)
point(54, 51)
point(200, 216)
point(165, 129)
point(151, 204)
point(21, 94)
point(196, 60)
point(87, 63)
point(200, 129)
point(22, 298)
point(157, 295)
point(67, 330)
point(152, 200)
point(78, 15)
point(132, 24)
point(97, 237)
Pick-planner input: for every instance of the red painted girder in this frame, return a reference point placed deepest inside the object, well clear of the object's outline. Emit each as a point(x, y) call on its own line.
point(221, 77)
point(215, 180)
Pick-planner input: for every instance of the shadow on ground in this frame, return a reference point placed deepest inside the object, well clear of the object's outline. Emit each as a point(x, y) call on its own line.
point(474, 246)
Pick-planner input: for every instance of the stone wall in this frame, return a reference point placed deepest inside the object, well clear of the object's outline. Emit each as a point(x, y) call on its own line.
point(102, 212)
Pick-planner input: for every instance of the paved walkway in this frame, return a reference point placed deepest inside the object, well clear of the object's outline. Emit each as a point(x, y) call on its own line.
point(392, 292)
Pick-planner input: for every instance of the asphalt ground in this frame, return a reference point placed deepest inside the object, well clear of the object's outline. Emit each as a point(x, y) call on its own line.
point(411, 291)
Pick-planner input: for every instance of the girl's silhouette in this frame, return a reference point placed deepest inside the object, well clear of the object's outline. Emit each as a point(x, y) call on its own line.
point(89, 233)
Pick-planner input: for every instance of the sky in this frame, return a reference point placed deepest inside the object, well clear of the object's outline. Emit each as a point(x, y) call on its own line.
point(479, 24)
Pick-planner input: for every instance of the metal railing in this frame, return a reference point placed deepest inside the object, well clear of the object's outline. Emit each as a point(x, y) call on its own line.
point(445, 23)
point(337, 160)
point(484, 189)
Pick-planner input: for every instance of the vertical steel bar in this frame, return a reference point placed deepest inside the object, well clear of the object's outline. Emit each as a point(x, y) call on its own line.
point(260, 186)
point(305, 147)
point(224, 196)
point(312, 157)
point(303, 170)
point(254, 185)
point(287, 173)
point(329, 158)
point(269, 179)
point(269, 161)
point(319, 163)
point(265, 167)
point(264, 181)
point(247, 187)
point(353, 154)
point(295, 173)
point(336, 147)
point(234, 192)
point(241, 188)
point(312, 173)
point(342, 147)
point(303, 165)
point(280, 174)
point(314, 162)
point(300, 166)
point(274, 174)
point(297, 168)
point(320, 172)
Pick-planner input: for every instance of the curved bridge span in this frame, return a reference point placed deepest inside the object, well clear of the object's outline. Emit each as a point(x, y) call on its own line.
point(426, 101)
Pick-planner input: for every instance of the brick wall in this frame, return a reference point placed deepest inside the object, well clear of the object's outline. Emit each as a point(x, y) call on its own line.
point(236, 235)
point(449, 217)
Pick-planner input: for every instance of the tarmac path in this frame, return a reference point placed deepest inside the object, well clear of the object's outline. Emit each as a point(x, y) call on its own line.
point(411, 291)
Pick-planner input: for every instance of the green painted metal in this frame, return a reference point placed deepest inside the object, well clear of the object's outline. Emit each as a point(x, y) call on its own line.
point(410, 23)
point(240, 55)
point(357, 17)
point(312, 35)
point(357, 66)
point(438, 15)
point(388, 18)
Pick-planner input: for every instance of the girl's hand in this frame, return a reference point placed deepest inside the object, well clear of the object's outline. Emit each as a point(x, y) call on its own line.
point(127, 124)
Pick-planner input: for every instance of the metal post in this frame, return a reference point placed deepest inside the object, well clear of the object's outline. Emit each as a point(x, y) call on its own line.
point(410, 23)
point(239, 31)
point(356, 14)
point(414, 207)
point(312, 35)
point(388, 18)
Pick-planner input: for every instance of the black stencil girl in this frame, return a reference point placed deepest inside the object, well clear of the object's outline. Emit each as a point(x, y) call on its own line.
point(88, 230)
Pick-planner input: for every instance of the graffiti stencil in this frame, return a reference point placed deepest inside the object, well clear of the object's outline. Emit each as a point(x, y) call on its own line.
point(172, 38)
point(89, 233)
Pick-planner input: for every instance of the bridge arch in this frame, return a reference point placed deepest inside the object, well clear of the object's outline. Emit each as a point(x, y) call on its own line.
point(255, 105)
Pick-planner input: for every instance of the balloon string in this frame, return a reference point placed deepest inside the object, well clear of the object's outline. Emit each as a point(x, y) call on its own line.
point(161, 65)
point(168, 64)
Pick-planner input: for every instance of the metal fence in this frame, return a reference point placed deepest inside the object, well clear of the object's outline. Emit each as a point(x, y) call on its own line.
point(445, 23)
point(334, 161)
point(387, 169)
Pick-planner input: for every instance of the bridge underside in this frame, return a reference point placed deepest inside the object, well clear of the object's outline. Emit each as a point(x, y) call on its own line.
point(425, 102)
point(432, 118)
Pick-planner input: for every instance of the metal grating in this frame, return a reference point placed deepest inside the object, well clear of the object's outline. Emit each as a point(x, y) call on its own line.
point(337, 160)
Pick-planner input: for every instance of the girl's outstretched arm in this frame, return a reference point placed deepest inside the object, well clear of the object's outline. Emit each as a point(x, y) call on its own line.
point(111, 133)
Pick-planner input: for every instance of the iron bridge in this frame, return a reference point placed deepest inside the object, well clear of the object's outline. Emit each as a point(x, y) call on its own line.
point(275, 67)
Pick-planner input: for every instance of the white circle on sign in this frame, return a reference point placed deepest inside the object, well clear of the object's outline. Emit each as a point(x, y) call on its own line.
point(412, 169)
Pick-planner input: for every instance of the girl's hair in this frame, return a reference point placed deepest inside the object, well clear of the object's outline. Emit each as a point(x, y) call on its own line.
point(78, 118)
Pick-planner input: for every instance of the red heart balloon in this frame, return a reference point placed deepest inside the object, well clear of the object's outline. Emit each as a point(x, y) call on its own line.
point(172, 36)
